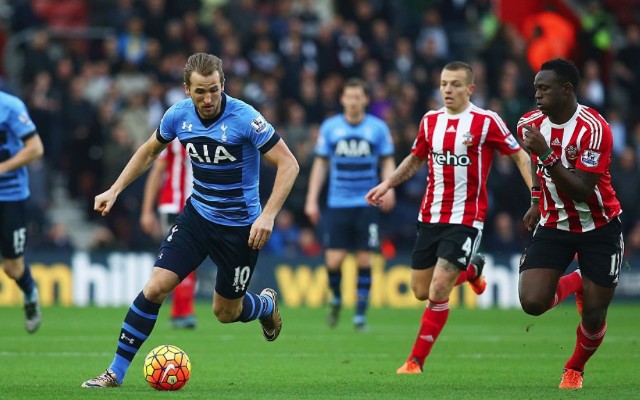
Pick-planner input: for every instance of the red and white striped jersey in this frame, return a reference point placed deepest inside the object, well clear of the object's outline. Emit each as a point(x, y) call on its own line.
point(178, 179)
point(460, 150)
point(584, 142)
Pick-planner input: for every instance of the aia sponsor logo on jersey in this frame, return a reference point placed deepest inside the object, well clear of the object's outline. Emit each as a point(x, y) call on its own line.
point(449, 158)
point(353, 148)
point(209, 153)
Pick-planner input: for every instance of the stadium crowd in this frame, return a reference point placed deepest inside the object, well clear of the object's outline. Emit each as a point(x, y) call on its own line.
point(95, 96)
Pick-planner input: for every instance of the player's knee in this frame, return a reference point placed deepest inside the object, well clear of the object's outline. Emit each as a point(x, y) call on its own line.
point(532, 306)
point(593, 319)
point(421, 292)
point(225, 315)
point(13, 268)
point(156, 292)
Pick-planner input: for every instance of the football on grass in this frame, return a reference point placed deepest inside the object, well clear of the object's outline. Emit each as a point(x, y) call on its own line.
point(167, 367)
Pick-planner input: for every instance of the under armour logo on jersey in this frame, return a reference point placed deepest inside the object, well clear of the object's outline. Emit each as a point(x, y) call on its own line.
point(224, 133)
point(174, 229)
point(186, 126)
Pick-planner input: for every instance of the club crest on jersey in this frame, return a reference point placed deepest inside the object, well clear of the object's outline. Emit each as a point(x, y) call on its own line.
point(258, 124)
point(571, 152)
point(223, 128)
point(467, 139)
point(590, 158)
point(24, 118)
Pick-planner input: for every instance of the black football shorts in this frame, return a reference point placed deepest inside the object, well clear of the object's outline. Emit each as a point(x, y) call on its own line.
point(599, 251)
point(192, 238)
point(455, 243)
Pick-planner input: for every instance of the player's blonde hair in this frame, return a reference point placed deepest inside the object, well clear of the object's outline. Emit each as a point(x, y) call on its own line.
point(459, 65)
point(204, 64)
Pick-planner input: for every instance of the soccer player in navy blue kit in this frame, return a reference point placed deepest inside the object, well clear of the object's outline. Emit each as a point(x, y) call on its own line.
point(223, 218)
point(354, 148)
point(19, 145)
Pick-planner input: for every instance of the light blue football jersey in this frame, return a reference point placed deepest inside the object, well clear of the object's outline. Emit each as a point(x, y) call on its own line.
point(15, 127)
point(225, 157)
point(354, 153)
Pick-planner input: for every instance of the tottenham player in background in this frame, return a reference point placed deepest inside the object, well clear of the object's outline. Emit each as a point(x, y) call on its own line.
point(352, 148)
point(20, 144)
point(223, 218)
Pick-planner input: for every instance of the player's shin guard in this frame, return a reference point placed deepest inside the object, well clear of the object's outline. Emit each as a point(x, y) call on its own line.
point(462, 278)
point(364, 287)
point(433, 320)
point(26, 282)
point(587, 342)
point(568, 284)
point(335, 282)
point(137, 326)
point(183, 295)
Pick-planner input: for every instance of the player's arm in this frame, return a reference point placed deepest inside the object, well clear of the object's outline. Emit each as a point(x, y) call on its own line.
point(532, 217)
point(286, 172)
point(137, 165)
point(407, 168)
point(148, 220)
point(387, 166)
point(523, 162)
point(32, 150)
point(317, 177)
point(578, 185)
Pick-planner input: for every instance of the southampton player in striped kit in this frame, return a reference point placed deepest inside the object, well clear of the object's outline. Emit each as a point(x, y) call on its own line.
point(170, 181)
point(457, 142)
point(223, 219)
point(20, 144)
point(351, 148)
point(574, 211)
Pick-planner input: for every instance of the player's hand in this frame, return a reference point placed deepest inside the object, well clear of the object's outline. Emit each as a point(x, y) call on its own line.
point(104, 202)
point(533, 141)
point(532, 217)
point(260, 232)
point(388, 201)
point(312, 212)
point(149, 223)
point(375, 197)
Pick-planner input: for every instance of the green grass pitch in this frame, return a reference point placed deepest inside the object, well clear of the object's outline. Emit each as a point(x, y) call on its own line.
point(481, 354)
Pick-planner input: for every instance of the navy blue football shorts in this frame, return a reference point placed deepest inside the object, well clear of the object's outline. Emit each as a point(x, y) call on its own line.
point(599, 251)
point(192, 238)
point(455, 243)
point(13, 228)
point(351, 228)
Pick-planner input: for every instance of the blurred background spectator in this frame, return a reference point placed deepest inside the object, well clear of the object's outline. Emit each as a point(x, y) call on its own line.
point(98, 74)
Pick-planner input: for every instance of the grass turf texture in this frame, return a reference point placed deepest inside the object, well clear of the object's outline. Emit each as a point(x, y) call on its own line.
point(482, 354)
